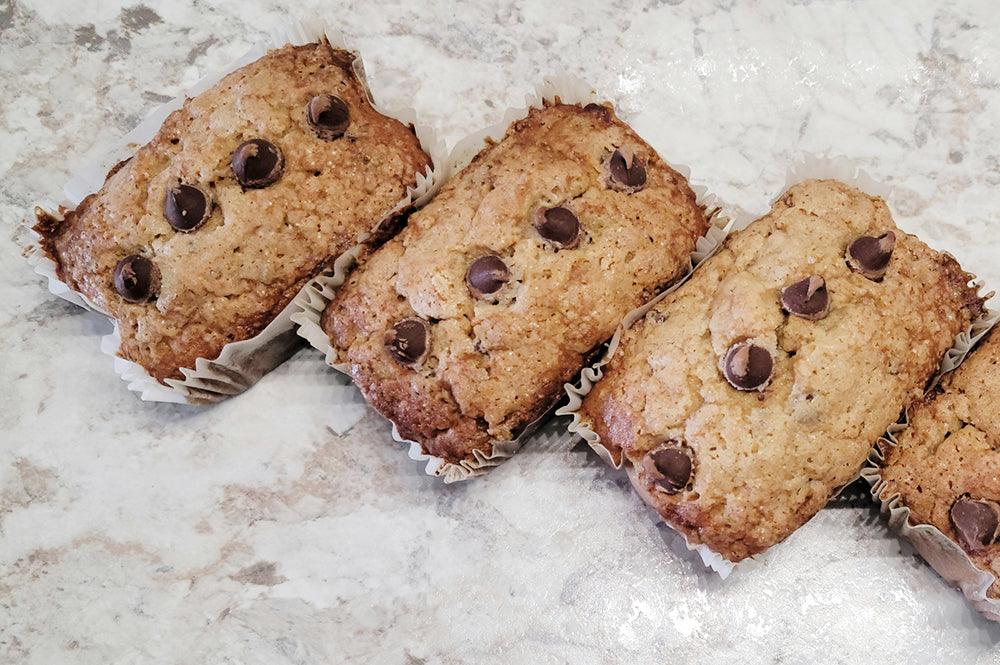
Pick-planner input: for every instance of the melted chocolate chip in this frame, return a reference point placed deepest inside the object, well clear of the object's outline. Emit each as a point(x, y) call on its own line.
point(669, 467)
point(187, 207)
point(257, 163)
point(487, 275)
point(136, 279)
point(626, 172)
point(600, 112)
point(975, 522)
point(328, 116)
point(870, 256)
point(808, 298)
point(559, 226)
point(748, 366)
point(407, 341)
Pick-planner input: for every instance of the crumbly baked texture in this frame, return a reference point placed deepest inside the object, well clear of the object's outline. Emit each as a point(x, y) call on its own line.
point(226, 280)
point(952, 449)
point(495, 365)
point(763, 462)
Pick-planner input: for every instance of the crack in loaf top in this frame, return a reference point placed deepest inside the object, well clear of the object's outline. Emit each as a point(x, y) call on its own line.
point(500, 288)
point(245, 193)
point(946, 465)
point(778, 365)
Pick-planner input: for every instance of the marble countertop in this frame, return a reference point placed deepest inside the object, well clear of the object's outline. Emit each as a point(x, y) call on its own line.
point(250, 532)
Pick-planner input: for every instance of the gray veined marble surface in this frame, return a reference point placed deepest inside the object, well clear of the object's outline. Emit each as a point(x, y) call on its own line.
point(252, 533)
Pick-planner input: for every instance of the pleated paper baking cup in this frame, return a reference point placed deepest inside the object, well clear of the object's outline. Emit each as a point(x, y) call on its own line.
point(942, 553)
point(812, 167)
point(313, 300)
point(240, 364)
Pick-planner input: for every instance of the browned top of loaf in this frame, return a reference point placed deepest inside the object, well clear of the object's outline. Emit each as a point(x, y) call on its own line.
point(765, 463)
point(952, 448)
point(227, 280)
point(494, 368)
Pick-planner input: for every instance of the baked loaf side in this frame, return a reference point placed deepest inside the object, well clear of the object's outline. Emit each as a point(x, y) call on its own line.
point(463, 328)
point(946, 466)
point(745, 399)
point(249, 190)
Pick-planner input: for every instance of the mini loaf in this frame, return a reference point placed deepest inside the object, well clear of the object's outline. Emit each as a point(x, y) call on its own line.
point(744, 400)
point(463, 328)
point(946, 464)
point(245, 193)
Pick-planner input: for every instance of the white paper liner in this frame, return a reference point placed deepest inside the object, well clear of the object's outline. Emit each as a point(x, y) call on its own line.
point(942, 553)
point(836, 167)
point(239, 364)
point(313, 300)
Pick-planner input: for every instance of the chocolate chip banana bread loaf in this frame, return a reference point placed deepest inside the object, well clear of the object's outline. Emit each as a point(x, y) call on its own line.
point(245, 193)
point(464, 327)
point(745, 399)
point(946, 465)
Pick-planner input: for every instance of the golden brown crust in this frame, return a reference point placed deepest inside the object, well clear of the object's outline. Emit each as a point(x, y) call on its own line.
point(227, 280)
point(494, 367)
point(952, 448)
point(766, 462)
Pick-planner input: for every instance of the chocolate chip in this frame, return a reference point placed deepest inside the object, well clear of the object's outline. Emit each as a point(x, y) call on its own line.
point(187, 207)
point(257, 163)
point(669, 467)
point(559, 226)
point(975, 522)
point(748, 366)
point(328, 116)
point(136, 278)
point(407, 341)
point(626, 172)
point(487, 275)
point(808, 298)
point(870, 256)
